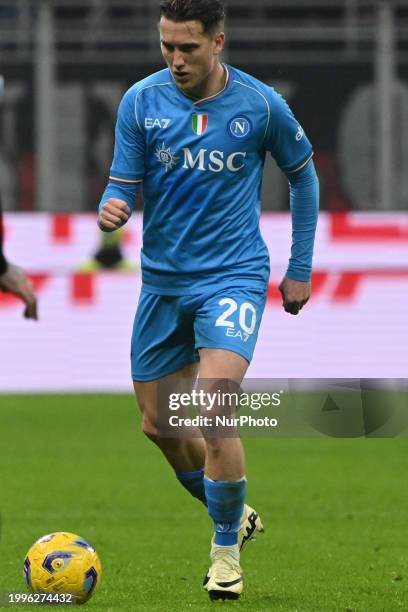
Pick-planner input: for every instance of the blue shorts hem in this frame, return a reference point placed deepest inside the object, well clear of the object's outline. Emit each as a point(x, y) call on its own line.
point(217, 345)
point(165, 371)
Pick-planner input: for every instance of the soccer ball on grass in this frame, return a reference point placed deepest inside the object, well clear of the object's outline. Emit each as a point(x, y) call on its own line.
point(63, 563)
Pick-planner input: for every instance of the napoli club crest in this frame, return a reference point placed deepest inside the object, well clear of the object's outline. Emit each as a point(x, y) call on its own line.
point(240, 127)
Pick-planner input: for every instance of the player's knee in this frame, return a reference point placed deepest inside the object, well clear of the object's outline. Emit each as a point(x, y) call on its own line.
point(169, 446)
point(149, 429)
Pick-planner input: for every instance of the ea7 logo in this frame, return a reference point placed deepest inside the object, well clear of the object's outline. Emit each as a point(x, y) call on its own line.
point(299, 134)
point(215, 161)
point(159, 123)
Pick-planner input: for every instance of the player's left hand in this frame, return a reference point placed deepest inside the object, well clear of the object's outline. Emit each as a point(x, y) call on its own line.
point(295, 294)
point(15, 281)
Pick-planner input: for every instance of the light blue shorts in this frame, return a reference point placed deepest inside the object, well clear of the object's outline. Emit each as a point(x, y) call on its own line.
point(169, 330)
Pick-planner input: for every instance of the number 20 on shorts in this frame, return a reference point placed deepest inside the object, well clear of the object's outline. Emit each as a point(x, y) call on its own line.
point(247, 318)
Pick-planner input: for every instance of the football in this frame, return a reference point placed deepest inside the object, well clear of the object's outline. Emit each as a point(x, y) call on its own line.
point(63, 562)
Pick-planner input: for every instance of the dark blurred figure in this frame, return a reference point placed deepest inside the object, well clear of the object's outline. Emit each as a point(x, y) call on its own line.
point(13, 280)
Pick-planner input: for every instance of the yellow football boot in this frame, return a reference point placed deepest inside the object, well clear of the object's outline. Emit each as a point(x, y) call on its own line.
point(225, 574)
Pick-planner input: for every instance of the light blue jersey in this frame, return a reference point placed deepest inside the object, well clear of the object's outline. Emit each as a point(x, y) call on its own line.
point(201, 166)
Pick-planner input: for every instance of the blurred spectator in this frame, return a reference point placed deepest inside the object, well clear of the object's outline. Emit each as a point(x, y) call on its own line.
point(13, 280)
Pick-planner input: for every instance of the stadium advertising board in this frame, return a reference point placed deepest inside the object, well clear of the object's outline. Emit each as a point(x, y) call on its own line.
point(351, 327)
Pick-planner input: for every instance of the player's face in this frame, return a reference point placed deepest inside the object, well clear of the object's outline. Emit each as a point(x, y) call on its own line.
point(191, 55)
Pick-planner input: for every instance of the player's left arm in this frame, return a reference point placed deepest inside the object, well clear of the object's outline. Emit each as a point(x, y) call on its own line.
point(292, 151)
point(304, 204)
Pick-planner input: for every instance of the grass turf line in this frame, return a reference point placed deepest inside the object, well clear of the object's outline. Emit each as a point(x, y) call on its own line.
point(334, 510)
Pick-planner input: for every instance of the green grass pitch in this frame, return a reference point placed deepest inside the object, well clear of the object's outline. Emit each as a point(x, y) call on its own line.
point(335, 512)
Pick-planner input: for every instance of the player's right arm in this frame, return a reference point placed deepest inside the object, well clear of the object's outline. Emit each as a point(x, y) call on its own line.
point(127, 170)
point(114, 213)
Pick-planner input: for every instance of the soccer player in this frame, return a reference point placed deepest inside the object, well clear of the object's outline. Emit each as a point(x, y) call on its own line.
point(195, 135)
point(13, 280)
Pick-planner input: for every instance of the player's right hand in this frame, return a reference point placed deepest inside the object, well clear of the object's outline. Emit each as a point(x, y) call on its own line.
point(113, 215)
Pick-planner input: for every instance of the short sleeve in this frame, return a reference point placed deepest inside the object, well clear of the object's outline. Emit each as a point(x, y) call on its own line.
point(285, 138)
point(128, 161)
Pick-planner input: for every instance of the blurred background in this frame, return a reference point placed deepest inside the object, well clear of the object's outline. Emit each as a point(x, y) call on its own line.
point(341, 64)
point(75, 461)
point(343, 67)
